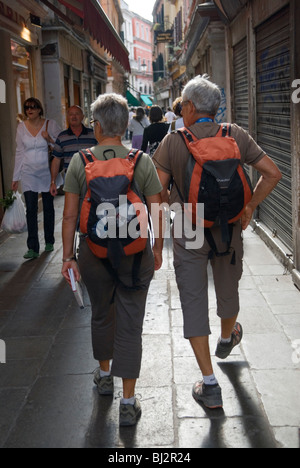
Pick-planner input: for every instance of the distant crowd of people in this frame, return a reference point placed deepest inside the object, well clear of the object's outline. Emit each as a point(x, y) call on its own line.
point(147, 133)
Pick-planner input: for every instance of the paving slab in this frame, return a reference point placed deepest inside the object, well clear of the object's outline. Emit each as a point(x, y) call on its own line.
point(47, 395)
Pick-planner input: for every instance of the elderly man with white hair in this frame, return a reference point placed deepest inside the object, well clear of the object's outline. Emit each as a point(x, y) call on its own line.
point(200, 103)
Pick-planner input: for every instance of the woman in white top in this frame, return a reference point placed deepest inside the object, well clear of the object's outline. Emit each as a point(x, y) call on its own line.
point(32, 170)
point(137, 126)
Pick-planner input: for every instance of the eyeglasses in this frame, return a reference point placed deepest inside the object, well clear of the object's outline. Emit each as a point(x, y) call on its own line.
point(92, 123)
point(32, 107)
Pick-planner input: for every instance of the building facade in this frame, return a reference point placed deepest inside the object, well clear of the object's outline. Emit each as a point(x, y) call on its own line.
point(263, 61)
point(138, 38)
point(250, 49)
point(61, 52)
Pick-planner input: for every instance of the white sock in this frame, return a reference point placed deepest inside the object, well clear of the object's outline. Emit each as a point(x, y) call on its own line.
point(128, 401)
point(104, 373)
point(225, 340)
point(210, 380)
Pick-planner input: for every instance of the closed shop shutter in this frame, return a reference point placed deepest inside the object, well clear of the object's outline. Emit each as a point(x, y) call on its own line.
point(241, 99)
point(274, 118)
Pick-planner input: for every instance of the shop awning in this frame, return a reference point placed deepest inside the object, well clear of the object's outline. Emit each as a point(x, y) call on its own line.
point(146, 100)
point(230, 8)
point(100, 27)
point(97, 23)
point(132, 101)
point(74, 5)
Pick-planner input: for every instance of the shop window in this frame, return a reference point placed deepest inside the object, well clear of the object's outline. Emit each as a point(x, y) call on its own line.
point(76, 87)
point(98, 89)
point(66, 85)
point(77, 100)
point(22, 75)
point(86, 105)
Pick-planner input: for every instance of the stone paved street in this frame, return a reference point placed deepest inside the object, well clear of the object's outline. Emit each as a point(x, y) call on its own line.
point(47, 396)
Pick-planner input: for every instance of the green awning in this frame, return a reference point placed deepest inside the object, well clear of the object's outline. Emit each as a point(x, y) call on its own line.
point(132, 101)
point(146, 99)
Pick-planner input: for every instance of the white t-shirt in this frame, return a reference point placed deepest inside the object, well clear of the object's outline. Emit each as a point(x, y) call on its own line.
point(32, 163)
point(170, 116)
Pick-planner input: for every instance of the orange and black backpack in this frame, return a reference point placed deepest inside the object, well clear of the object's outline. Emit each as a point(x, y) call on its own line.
point(216, 178)
point(114, 217)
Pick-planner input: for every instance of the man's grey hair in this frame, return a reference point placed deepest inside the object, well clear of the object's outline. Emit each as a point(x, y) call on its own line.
point(205, 95)
point(111, 111)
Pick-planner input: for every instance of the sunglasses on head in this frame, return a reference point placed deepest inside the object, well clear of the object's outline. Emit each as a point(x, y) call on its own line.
point(31, 106)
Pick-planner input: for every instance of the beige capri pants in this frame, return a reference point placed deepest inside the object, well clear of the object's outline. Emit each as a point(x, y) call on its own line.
point(117, 313)
point(192, 281)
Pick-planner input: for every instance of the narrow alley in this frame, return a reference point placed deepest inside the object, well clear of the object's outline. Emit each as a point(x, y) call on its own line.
point(48, 399)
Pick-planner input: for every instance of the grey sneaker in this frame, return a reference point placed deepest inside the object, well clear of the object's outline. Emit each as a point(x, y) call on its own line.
point(209, 395)
point(105, 384)
point(129, 414)
point(224, 349)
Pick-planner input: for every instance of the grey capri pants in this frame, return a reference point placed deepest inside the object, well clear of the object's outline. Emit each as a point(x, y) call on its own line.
point(117, 326)
point(192, 281)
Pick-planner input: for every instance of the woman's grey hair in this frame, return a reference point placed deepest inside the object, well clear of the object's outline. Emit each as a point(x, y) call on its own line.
point(111, 111)
point(205, 95)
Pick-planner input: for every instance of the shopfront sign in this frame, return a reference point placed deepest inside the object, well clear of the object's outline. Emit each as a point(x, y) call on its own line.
point(11, 14)
point(165, 36)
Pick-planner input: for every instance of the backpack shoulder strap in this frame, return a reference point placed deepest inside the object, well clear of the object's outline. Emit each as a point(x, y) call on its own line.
point(225, 130)
point(87, 157)
point(135, 156)
point(187, 135)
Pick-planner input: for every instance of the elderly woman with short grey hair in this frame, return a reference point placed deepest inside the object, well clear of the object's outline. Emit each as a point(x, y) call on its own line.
point(117, 311)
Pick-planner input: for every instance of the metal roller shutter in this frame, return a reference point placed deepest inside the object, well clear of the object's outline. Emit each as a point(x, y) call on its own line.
point(241, 99)
point(274, 118)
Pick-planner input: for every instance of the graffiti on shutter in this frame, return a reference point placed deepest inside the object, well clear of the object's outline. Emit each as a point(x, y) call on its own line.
point(274, 118)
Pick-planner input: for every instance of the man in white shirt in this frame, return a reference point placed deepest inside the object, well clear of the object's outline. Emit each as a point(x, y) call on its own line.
point(170, 116)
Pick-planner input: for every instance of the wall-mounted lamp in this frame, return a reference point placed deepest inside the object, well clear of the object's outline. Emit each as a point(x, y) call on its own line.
point(144, 67)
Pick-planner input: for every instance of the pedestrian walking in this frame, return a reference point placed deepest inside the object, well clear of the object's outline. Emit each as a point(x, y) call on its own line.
point(34, 136)
point(178, 122)
point(128, 134)
point(156, 131)
point(201, 100)
point(170, 116)
point(137, 126)
point(117, 292)
point(69, 142)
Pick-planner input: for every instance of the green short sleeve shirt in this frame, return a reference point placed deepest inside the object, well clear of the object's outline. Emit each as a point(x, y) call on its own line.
point(145, 174)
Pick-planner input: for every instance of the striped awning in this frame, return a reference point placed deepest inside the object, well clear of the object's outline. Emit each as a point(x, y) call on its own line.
point(97, 23)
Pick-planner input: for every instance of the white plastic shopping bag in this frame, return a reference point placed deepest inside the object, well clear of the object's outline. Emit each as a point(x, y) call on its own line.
point(60, 180)
point(14, 220)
